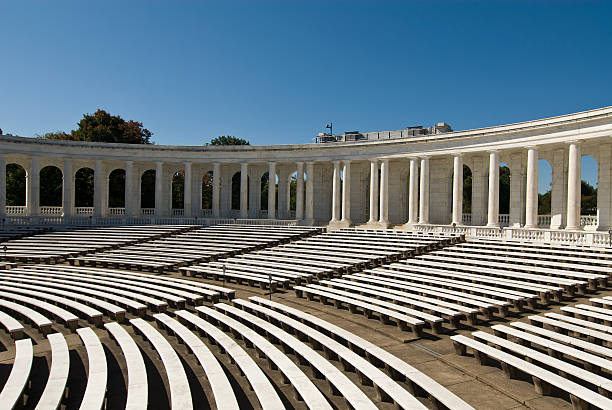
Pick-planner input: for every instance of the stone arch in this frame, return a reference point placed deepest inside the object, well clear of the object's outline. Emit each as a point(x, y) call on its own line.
point(504, 188)
point(178, 190)
point(51, 186)
point(207, 189)
point(264, 191)
point(589, 171)
point(16, 177)
point(84, 187)
point(236, 191)
point(467, 191)
point(147, 189)
point(116, 188)
point(292, 191)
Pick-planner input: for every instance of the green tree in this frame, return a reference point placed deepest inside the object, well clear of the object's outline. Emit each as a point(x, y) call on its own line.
point(504, 190)
point(467, 190)
point(228, 140)
point(15, 185)
point(588, 204)
point(544, 203)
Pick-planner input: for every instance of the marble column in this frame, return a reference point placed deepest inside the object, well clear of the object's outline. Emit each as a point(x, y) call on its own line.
point(244, 190)
point(424, 191)
point(67, 188)
point(574, 186)
point(384, 193)
point(457, 190)
point(2, 186)
point(493, 208)
point(187, 191)
point(33, 188)
point(373, 192)
point(271, 190)
point(159, 192)
point(346, 193)
point(299, 192)
point(603, 187)
point(336, 193)
point(309, 205)
point(216, 185)
point(413, 192)
point(129, 189)
point(531, 197)
point(98, 189)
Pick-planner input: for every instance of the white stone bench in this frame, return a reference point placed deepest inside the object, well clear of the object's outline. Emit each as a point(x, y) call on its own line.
point(590, 361)
point(564, 369)
point(589, 312)
point(12, 326)
point(259, 382)
point(575, 329)
point(403, 321)
point(302, 384)
point(131, 292)
point(180, 393)
point(308, 260)
point(42, 323)
point(579, 322)
point(396, 367)
point(217, 273)
point(262, 260)
point(33, 277)
point(90, 314)
point(66, 317)
point(296, 277)
point(55, 390)
point(129, 263)
point(387, 388)
point(220, 385)
point(137, 385)
point(97, 370)
point(12, 392)
point(542, 379)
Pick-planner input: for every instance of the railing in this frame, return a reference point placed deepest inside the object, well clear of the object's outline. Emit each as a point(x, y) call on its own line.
point(503, 219)
point(116, 211)
point(206, 213)
point(235, 213)
point(544, 220)
point(263, 214)
point(15, 210)
point(589, 220)
point(147, 211)
point(84, 210)
point(278, 222)
point(178, 212)
point(51, 210)
point(466, 219)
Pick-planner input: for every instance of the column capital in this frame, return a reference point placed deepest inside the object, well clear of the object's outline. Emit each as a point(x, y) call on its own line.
point(346, 161)
point(374, 160)
point(534, 147)
point(299, 162)
point(575, 142)
point(459, 155)
point(493, 151)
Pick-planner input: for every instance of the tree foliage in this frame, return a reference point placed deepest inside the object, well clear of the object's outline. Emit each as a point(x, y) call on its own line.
point(229, 140)
point(104, 127)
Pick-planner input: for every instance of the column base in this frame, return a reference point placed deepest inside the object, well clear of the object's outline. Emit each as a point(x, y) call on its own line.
point(335, 225)
point(573, 228)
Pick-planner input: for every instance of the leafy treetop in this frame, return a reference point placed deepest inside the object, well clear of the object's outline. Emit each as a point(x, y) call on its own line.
point(228, 140)
point(103, 127)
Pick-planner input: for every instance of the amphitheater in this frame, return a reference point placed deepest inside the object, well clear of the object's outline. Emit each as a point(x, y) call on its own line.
point(358, 281)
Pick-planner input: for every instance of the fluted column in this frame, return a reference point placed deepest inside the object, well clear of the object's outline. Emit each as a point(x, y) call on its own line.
point(384, 192)
point(531, 197)
point(413, 192)
point(373, 191)
point(244, 190)
point(2, 186)
point(187, 190)
point(67, 188)
point(424, 192)
point(33, 188)
point(159, 194)
point(216, 185)
point(309, 205)
point(457, 190)
point(299, 192)
point(573, 187)
point(336, 193)
point(98, 189)
point(129, 189)
point(493, 209)
point(346, 193)
point(271, 190)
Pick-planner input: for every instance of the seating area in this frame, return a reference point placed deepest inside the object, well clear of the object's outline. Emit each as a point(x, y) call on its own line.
point(59, 245)
point(300, 261)
point(569, 352)
point(168, 253)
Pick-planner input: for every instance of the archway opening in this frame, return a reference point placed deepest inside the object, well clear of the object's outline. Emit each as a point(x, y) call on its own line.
point(207, 189)
point(236, 191)
point(178, 190)
point(264, 192)
point(544, 190)
point(467, 195)
point(147, 189)
point(588, 187)
point(504, 189)
point(15, 185)
point(116, 189)
point(292, 191)
point(84, 188)
point(50, 186)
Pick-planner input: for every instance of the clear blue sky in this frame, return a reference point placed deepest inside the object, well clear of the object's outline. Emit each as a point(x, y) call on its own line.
point(277, 71)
